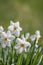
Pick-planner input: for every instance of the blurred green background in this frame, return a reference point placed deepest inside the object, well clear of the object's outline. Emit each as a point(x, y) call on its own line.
point(28, 12)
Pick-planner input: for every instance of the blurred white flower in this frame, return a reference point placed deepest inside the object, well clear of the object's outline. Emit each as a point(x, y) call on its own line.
point(15, 28)
point(38, 36)
point(21, 45)
point(6, 39)
point(35, 36)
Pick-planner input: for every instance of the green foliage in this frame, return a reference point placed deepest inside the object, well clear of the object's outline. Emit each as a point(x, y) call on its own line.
point(10, 56)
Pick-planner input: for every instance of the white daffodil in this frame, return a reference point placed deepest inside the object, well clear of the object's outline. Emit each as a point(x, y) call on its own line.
point(21, 45)
point(15, 28)
point(6, 39)
point(35, 36)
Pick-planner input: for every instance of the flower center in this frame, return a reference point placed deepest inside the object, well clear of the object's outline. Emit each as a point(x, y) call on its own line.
point(5, 39)
point(37, 38)
point(22, 45)
point(15, 28)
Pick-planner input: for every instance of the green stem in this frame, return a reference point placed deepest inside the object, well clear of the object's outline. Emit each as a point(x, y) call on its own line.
point(3, 55)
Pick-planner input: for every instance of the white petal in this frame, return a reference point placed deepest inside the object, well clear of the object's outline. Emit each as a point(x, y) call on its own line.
point(27, 35)
point(9, 44)
point(20, 29)
point(22, 36)
point(17, 24)
point(4, 35)
point(37, 32)
point(10, 28)
point(11, 38)
point(33, 37)
point(11, 23)
point(1, 29)
point(3, 45)
point(17, 33)
point(27, 44)
point(19, 41)
point(8, 33)
point(17, 46)
point(20, 50)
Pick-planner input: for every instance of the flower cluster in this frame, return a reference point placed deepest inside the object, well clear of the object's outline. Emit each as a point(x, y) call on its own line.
point(13, 33)
point(14, 44)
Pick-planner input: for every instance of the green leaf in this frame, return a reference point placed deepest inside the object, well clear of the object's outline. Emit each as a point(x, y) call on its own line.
point(28, 58)
point(30, 54)
point(20, 59)
point(36, 58)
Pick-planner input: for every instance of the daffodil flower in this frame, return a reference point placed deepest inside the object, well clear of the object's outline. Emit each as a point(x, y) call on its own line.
point(6, 39)
point(21, 45)
point(38, 36)
point(35, 36)
point(15, 28)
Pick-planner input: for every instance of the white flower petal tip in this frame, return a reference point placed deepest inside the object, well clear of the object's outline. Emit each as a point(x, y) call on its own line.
point(38, 36)
point(1, 29)
point(17, 23)
point(11, 23)
point(38, 33)
point(27, 35)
